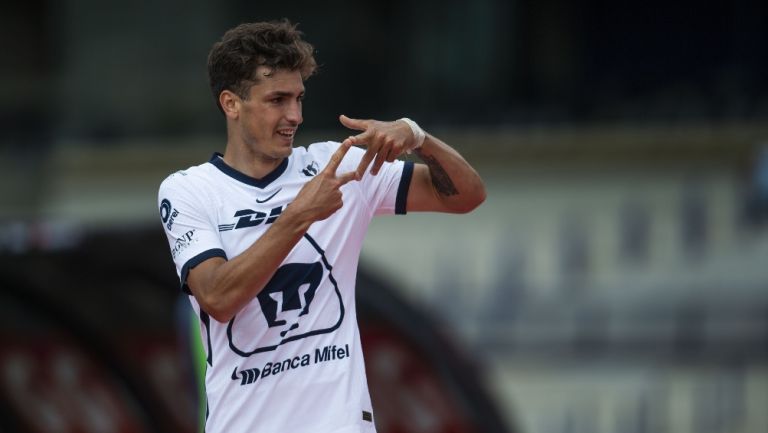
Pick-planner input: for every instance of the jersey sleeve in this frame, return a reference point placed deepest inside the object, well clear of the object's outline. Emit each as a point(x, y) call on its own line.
point(387, 192)
point(192, 235)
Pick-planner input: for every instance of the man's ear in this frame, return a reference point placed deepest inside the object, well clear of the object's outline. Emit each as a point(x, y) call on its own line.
point(230, 103)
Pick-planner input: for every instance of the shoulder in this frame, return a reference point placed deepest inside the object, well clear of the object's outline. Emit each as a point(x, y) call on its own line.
point(193, 179)
point(321, 148)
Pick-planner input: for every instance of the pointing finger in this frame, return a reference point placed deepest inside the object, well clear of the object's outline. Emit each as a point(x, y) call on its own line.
point(357, 124)
point(336, 158)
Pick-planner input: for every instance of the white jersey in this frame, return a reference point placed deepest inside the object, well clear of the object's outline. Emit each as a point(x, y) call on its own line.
point(290, 360)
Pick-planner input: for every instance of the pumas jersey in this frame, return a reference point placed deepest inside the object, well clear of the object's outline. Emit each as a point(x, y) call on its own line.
point(290, 361)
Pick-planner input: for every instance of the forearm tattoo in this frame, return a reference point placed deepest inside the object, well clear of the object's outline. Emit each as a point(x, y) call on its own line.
point(440, 179)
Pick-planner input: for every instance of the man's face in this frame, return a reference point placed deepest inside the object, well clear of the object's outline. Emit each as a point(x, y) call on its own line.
point(271, 115)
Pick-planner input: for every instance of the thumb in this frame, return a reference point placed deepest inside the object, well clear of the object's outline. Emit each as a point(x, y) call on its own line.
point(356, 124)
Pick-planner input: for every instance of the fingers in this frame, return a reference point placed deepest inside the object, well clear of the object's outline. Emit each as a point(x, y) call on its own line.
point(383, 142)
point(392, 155)
point(365, 137)
point(378, 154)
point(347, 177)
point(380, 158)
point(356, 124)
point(370, 153)
point(336, 158)
point(333, 164)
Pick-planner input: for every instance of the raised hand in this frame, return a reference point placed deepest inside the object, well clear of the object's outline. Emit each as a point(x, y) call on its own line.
point(384, 141)
point(321, 196)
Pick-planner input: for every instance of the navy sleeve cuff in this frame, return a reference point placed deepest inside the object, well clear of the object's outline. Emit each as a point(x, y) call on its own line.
point(402, 190)
point(196, 260)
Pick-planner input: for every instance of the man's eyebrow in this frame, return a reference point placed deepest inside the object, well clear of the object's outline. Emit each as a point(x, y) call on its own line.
point(282, 93)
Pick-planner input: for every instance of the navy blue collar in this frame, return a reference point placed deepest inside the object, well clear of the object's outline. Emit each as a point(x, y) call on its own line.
point(218, 161)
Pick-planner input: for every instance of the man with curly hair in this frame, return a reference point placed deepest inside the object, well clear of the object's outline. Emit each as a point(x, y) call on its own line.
point(266, 238)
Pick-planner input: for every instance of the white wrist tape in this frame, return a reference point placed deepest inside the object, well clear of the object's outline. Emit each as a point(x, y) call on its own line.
point(418, 134)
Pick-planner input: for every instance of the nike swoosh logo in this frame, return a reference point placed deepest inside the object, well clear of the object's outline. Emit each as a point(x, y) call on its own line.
point(268, 198)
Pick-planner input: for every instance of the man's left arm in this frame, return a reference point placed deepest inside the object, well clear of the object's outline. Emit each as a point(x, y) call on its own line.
point(445, 182)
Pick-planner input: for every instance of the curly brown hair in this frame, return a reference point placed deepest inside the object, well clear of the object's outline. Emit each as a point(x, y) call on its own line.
point(232, 62)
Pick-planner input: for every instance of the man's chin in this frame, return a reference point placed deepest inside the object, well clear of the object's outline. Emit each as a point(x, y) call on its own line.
point(284, 142)
point(283, 150)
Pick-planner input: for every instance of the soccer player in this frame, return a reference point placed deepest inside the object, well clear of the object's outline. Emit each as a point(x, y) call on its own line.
point(266, 238)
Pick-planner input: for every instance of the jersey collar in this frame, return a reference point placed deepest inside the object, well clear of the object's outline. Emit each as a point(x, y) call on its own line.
point(218, 161)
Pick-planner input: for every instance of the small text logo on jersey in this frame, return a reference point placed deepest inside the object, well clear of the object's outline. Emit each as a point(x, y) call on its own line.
point(268, 198)
point(311, 169)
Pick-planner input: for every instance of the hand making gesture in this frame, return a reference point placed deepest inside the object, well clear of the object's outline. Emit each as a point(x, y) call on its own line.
point(385, 141)
point(444, 182)
point(321, 197)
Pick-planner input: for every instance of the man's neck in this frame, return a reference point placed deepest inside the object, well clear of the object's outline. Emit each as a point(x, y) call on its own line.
point(254, 164)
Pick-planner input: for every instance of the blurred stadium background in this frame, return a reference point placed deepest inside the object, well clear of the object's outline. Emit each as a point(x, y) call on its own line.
point(615, 280)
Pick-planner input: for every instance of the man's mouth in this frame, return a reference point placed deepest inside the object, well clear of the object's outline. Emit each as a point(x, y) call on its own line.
point(287, 133)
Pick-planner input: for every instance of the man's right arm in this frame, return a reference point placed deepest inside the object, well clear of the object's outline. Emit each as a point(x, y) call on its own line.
point(223, 287)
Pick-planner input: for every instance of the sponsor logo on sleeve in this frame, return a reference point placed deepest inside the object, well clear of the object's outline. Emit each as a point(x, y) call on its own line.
point(183, 242)
point(167, 213)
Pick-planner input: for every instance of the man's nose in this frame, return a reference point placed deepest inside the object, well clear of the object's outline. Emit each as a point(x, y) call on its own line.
point(293, 113)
